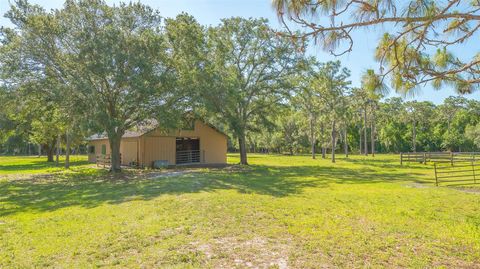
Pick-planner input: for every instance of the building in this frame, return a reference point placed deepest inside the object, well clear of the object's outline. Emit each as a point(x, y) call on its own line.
point(199, 144)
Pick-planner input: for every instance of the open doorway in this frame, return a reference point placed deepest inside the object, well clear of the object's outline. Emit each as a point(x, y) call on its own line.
point(187, 150)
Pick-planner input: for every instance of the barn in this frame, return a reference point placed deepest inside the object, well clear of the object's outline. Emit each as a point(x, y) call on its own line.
point(200, 143)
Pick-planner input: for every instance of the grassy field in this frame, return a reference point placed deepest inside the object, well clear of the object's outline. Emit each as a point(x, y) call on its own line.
point(13, 165)
point(280, 212)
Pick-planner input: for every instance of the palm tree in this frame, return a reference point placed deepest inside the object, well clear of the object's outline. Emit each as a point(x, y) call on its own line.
point(376, 90)
point(361, 102)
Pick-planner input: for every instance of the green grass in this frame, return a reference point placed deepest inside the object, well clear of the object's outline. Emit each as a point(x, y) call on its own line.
point(14, 165)
point(280, 211)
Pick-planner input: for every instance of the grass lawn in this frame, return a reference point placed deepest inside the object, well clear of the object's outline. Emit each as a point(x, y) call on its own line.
point(280, 212)
point(35, 165)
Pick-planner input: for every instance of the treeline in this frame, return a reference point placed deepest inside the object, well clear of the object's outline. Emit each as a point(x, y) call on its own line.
point(90, 67)
point(396, 125)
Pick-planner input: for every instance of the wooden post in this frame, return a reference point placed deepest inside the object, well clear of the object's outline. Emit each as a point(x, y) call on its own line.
point(436, 178)
point(451, 158)
point(424, 158)
point(473, 171)
point(401, 158)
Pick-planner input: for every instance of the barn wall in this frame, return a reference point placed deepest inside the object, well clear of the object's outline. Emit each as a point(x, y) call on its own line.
point(98, 149)
point(160, 145)
point(213, 144)
point(158, 148)
point(128, 149)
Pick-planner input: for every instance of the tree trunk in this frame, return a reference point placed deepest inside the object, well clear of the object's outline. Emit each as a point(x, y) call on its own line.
point(372, 134)
point(243, 150)
point(324, 150)
point(345, 142)
point(365, 148)
point(115, 139)
point(50, 151)
point(313, 150)
point(360, 135)
point(57, 157)
point(313, 139)
point(67, 151)
point(334, 140)
point(414, 136)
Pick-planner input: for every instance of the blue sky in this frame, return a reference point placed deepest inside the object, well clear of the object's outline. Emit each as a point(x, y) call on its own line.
point(209, 12)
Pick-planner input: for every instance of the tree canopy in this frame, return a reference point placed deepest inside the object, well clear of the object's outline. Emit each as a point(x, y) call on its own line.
point(111, 59)
point(249, 70)
point(90, 68)
point(417, 46)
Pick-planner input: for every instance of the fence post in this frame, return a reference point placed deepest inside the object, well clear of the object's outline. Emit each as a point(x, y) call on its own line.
point(451, 158)
point(473, 171)
point(436, 178)
point(401, 158)
point(424, 158)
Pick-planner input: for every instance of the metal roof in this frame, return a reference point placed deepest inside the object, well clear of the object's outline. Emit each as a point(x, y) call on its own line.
point(141, 130)
point(128, 134)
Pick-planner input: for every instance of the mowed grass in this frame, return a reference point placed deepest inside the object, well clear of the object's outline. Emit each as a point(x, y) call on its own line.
point(14, 165)
point(280, 212)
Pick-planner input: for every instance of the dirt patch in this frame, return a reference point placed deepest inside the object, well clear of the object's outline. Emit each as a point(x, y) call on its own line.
point(168, 173)
point(474, 190)
point(467, 190)
point(238, 168)
point(418, 185)
point(27, 177)
point(257, 252)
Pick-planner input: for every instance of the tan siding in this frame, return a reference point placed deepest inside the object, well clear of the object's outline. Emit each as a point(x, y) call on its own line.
point(129, 150)
point(213, 145)
point(159, 148)
point(98, 149)
point(142, 150)
point(160, 145)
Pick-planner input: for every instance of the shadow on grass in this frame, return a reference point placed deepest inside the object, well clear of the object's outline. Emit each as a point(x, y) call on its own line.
point(95, 188)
